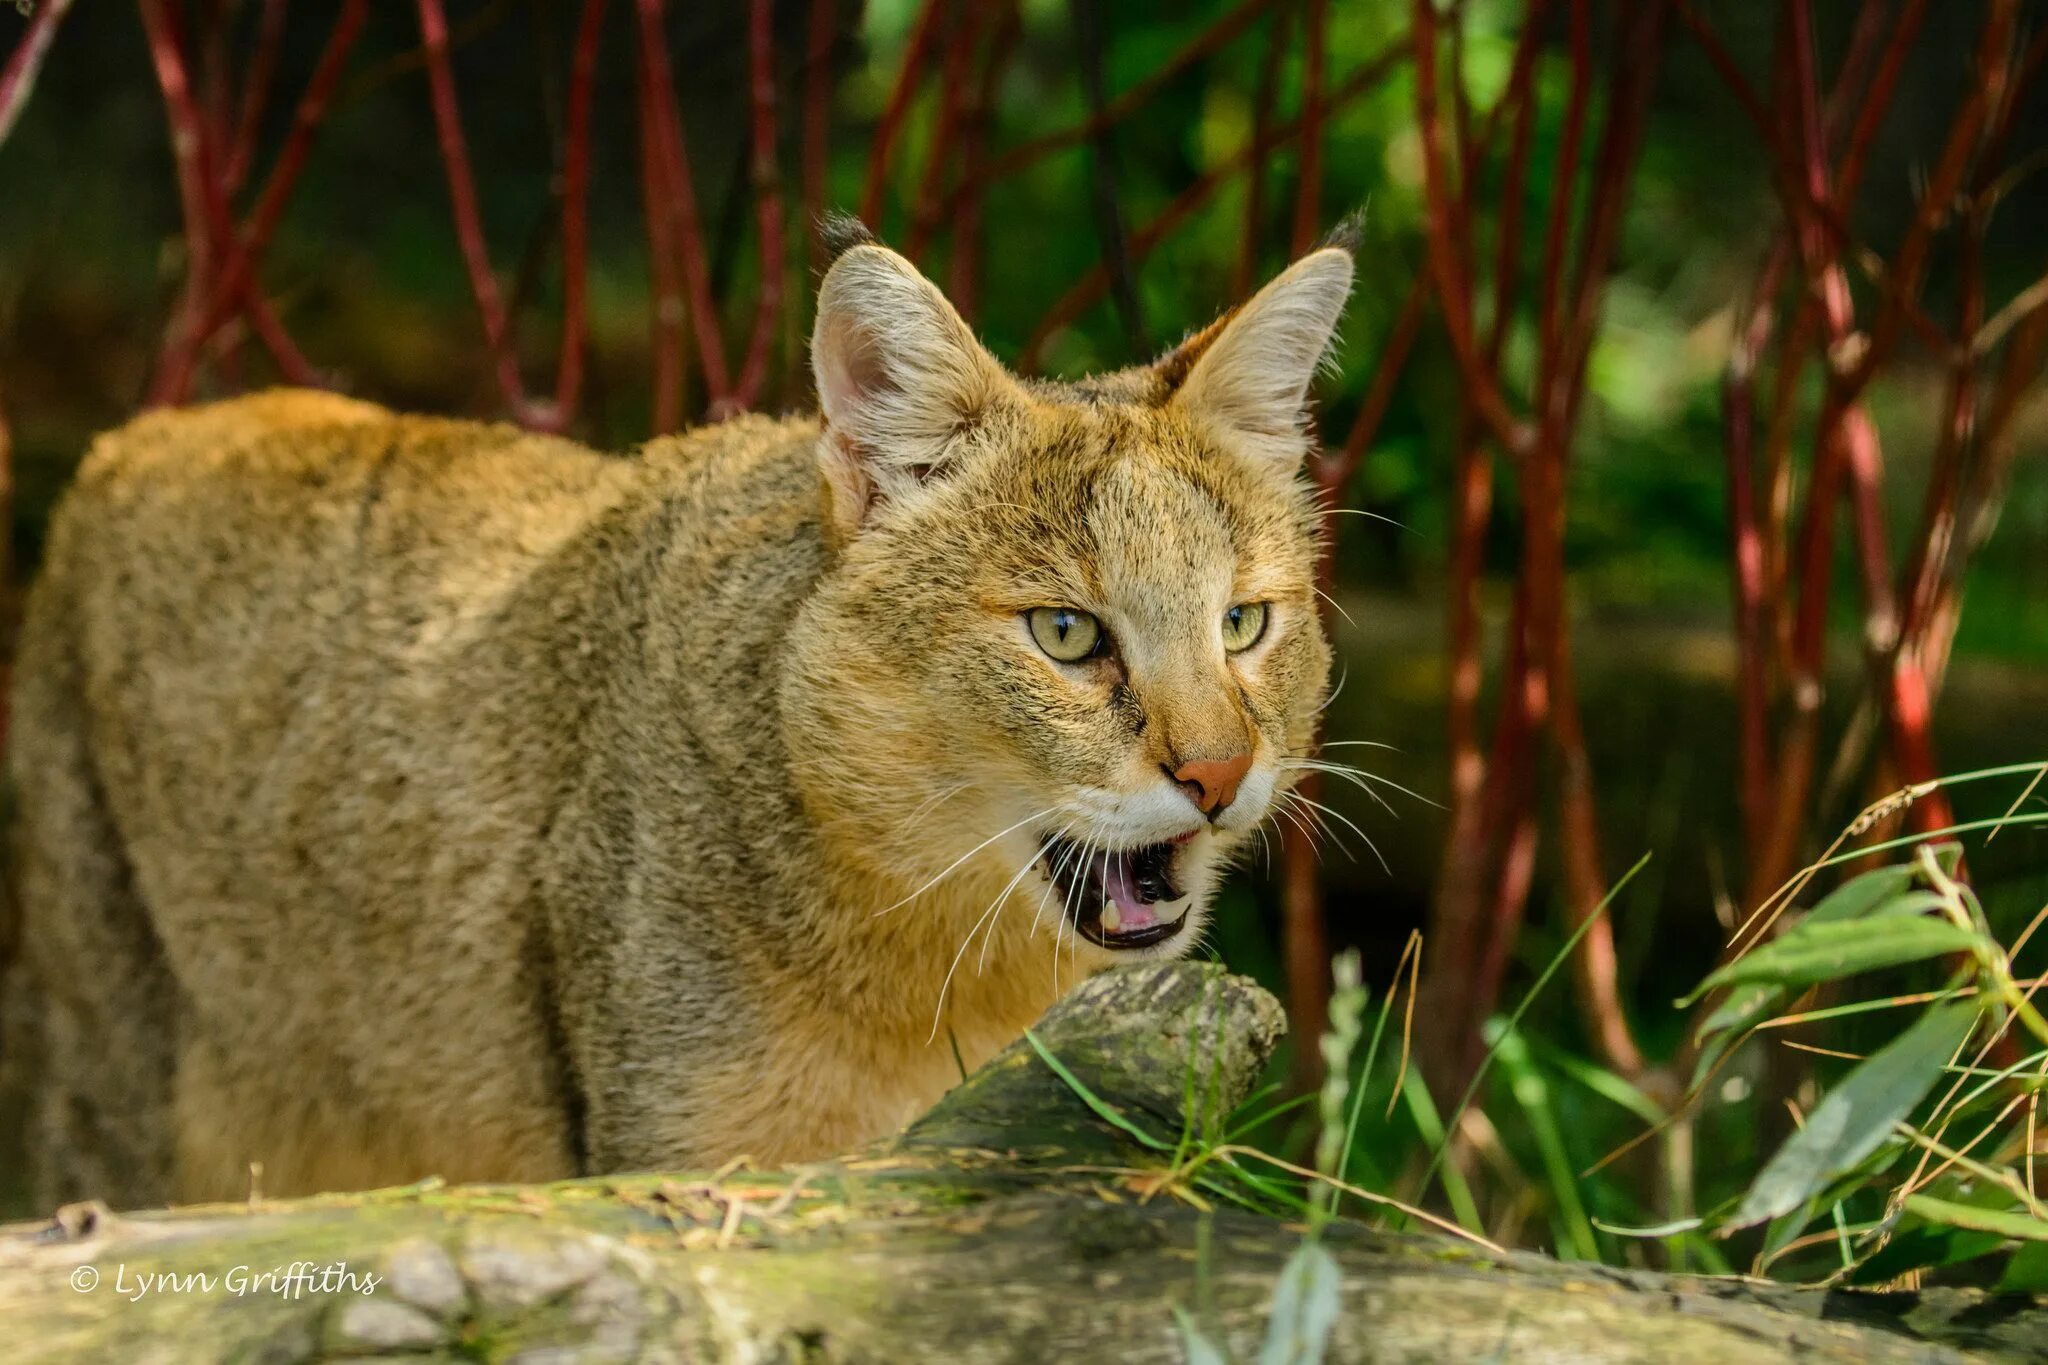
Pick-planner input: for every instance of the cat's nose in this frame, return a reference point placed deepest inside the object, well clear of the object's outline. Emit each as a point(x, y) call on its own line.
point(1211, 783)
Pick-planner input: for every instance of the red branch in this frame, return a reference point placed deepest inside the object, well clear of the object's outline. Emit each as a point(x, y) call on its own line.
point(659, 110)
point(964, 284)
point(666, 291)
point(25, 63)
point(575, 207)
point(1309, 189)
point(202, 202)
point(956, 94)
point(255, 94)
point(767, 202)
point(908, 76)
point(469, 231)
point(1440, 238)
point(817, 119)
point(1090, 288)
point(236, 284)
point(1190, 54)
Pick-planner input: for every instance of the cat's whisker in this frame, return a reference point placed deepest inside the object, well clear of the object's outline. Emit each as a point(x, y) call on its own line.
point(1351, 775)
point(994, 907)
point(1307, 833)
point(1319, 827)
point(928, 805)
point(1038, 915)
point(1359, 744)
point(1002, 902)
point(1335, 692)
point(1068, 913)
point(1334, 606)
point(1361, 512)
point(950, 867)
point(1348, 823)
point(1368, 776)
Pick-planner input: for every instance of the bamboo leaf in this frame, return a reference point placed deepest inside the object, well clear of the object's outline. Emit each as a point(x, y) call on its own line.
point(1921, 1246)
point(1838, 948)
point(1196, 1348)
point(1857, 1115)
point(1861, 894)
point(1304, 1308)
point(2027, 1271)
point(2003, 1222)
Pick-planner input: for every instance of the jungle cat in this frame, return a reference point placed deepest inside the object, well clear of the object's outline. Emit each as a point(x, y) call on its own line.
point(404, 796)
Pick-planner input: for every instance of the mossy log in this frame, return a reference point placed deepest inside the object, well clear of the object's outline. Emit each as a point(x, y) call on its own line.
point(1007, 1224)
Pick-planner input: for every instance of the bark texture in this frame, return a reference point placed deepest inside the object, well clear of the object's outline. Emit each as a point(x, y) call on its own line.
point(1006, 1225)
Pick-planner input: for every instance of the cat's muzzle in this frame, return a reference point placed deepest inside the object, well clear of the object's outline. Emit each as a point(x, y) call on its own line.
point(1117, 898)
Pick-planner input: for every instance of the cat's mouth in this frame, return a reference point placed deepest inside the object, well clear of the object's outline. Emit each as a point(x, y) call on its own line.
point(1118, 898)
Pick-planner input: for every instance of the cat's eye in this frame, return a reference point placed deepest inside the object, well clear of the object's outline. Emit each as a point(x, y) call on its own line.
point(1066, 634)
point(1243, 624)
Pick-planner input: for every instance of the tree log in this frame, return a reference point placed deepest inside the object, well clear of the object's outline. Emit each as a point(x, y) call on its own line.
point(1007, 1224)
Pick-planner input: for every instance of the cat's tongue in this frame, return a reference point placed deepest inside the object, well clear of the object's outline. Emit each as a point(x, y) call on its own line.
point(1128, 909)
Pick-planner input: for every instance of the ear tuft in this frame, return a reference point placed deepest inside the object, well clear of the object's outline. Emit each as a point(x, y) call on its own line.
point(900, 379)
point(1345, 235)
point(839, 233)
point(1252, 378)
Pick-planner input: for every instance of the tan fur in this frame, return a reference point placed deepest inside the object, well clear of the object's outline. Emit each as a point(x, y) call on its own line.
point(406, 796)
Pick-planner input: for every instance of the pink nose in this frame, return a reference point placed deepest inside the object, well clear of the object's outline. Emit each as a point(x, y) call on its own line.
point(1211, 783)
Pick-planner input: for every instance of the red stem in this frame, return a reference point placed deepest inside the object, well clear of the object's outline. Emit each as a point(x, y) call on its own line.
point(476, 256)
point(25, 63)
point(1091, 287)
point(1483, 386)
point(256, 93)
point(908, 76)
point(1263, 97)
point(667, 289)
point(1746, 548)
point(1909, 265)
point(236, 282)
point(575, 221)
point(1309, 189)
point(682, 196)
point(767, 203)
point(205, 211)
point(956, 93)
point(817, 119)
point(965, 266)
point(1194, 51)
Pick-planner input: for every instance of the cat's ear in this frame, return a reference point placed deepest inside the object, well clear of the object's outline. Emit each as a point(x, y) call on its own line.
point(901, 379)
point(1249, 373)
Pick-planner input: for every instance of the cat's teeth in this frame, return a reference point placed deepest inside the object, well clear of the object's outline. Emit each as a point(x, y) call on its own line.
point(1111, 920)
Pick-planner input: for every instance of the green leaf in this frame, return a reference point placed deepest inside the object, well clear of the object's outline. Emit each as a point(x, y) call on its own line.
point(1671, 1229)
point(2027, 1271)
point(1196, 1348)
point(1921, 1246)
point(1429, 1125)
point(1837, 948)
point(1856, 1116)
point(1304, 1308)
point(1104, 1110)
point(1860, 895)
point(2005, 1223)
point(1741, 1009)
point(1530, 1090)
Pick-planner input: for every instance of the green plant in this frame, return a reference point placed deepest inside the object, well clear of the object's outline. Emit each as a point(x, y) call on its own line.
point(1964, 1199)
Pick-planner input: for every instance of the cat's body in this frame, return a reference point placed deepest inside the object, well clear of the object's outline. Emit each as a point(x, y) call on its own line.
point(406, 796)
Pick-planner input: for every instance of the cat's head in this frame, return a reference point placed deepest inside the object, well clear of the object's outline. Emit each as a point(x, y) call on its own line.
point(1069, 650)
